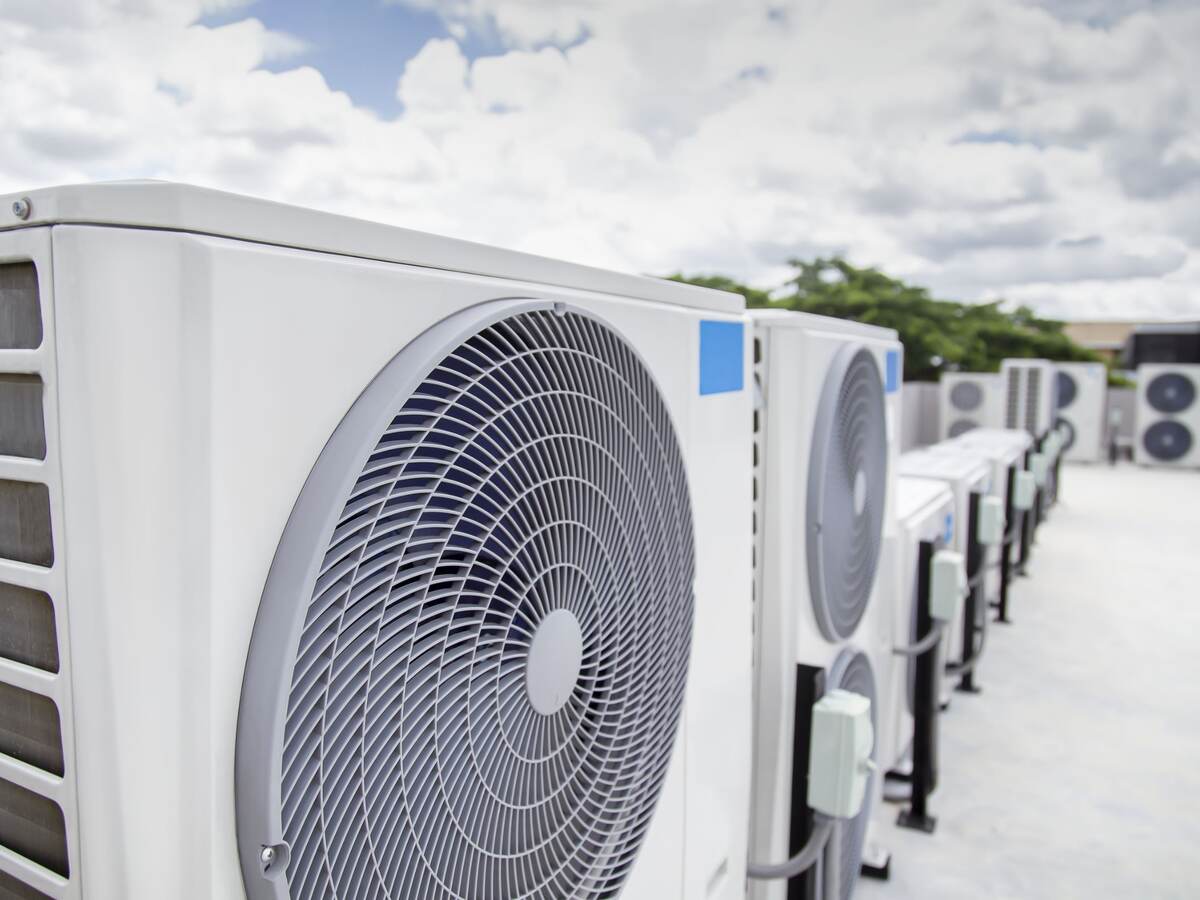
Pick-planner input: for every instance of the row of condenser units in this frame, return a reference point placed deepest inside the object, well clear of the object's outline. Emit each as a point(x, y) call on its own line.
point(342, 561)
point(1072, 397)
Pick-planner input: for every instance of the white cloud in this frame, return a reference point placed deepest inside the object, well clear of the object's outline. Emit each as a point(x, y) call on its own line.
point(983, 147)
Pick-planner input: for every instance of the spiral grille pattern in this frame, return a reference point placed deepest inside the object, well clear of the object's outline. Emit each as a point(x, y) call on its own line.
point(966, 396)
point(534, 471)
point(852, 671)
point(847, 487)
point(1066, 387)
point(1170, 392)
point(1167, 440)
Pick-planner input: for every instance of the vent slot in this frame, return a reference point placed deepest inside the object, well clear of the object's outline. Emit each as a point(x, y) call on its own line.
point(1032, 406)
point(20, 307)
point(32, 826)
point(22, 427)
point(29, 729)
point(1012, 398)
point(27, 632)
point(11, 889)
point(25, 523)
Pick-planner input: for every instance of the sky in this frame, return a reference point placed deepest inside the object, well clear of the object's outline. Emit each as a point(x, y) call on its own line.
point(1047, 153)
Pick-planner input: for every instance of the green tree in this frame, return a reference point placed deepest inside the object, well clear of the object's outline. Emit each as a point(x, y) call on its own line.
point(937, 334)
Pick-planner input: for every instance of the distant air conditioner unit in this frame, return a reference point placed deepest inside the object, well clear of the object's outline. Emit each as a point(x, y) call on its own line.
point(924, 512)
point(826, 443)
point(965, 475)
point(1029, 395)
point(347, 561)
point(968, 400)
point(1168, 415)
point(1082, 390)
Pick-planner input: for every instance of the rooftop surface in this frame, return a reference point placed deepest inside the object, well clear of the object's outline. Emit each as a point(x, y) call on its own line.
point(1076, 773)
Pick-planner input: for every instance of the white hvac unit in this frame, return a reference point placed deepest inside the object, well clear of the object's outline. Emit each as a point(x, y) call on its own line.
point(1168, 415)
point(1082, 394)
point(1029, 395)
point(352, 562)
point(965, 475)
point(924, 512)
point(827, 440)
point(968, 400)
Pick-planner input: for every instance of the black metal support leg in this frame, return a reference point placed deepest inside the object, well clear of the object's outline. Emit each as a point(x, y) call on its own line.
point(925, 710)
point(973, 611)
point(1010, 533)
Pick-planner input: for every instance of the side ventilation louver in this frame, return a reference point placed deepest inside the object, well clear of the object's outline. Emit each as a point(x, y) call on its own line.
point(36, 784)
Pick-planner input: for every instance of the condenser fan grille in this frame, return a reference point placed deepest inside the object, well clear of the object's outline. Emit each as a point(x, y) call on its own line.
point(962, 426)
point(489, 676)
point(852, 671)
point(1068, 432)
point(1167, 440)
point(966, 396)
point(1066, 387)
point(846, 491)
point(1170, 392)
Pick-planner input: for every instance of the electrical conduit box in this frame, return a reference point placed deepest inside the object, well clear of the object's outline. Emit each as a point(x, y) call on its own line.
point(947, 584)
point(840, 763)
point(1024, 489)
point(990, 525)
point(1039, 465)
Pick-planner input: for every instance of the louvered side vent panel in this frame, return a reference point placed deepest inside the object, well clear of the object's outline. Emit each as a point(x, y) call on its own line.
point(38, 835)
point(1012, 399)
point(1033, 384)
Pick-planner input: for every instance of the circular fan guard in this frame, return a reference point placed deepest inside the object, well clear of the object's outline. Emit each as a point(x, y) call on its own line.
point(1067, 389)
point(529, 476)
point(1068, 431)
point(852, 671)
point(1170, 392)
point(847, 485)
point(966, 396)
point(1167, 441)
point(962, 426)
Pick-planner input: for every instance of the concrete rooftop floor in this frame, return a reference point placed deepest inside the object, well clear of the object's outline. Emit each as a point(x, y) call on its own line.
point(1076, 773)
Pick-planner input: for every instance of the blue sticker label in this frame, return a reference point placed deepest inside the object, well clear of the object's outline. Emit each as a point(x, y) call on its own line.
point(722, 357)
point(948, 536)
point(892, 384)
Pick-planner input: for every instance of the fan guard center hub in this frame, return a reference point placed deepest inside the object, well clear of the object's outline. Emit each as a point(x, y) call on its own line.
point(555, 658)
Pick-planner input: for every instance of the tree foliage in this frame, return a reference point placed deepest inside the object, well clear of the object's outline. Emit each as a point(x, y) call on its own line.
point(938, 335)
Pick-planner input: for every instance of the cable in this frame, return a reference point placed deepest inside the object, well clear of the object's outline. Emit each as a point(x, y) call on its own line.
point(802, 861)
point(926, 643)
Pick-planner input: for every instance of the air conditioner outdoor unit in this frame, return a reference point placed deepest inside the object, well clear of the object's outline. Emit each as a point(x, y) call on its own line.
point(1082, 390)
point(924, 512)
point(353, 562)
point(826, 443)
point(1168, 415)
point(968, 400)
point(1029, 395)
point(965, 475)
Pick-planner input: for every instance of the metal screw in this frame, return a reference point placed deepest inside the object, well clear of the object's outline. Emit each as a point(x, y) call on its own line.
point(22, 208)
point(267, 856)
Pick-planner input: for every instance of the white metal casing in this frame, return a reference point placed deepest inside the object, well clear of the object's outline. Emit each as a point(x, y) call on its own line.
point(922, 507)
point(965, 474)
point(1181, 421)
point(191, 382)
point(793, 352)
point(1082, 395)
point(968, 400)
point(1028, 387)
point(1004, 450)
point(840, 762)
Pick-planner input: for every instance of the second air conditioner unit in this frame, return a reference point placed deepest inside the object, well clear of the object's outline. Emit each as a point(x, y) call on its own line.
point(826, 442)
point(1028, 387)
